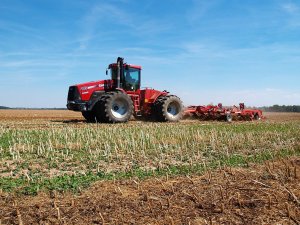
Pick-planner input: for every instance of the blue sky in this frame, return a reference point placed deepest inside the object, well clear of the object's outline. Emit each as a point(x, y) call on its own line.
point(212, 51)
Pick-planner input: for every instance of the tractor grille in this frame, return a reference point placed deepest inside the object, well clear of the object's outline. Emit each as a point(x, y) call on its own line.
point(73, 94)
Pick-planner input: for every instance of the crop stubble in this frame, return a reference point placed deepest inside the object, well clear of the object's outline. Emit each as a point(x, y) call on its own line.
point(39, 145)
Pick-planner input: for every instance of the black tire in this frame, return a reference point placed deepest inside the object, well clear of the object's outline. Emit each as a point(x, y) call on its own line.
point(256, 117)
point(228, 117)
point(89, 116)
point(114, 107)
point(168, 109)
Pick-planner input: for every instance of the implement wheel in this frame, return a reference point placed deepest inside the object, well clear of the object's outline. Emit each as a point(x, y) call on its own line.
point(256, 117)
point(228, 117)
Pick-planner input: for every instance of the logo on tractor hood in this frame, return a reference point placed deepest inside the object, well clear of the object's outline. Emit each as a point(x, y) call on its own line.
point(91, 87)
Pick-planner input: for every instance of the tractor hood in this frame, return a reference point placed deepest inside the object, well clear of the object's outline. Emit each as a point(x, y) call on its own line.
point(88, 88)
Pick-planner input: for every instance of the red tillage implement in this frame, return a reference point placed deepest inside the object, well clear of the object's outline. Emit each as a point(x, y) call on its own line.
point(212, 112)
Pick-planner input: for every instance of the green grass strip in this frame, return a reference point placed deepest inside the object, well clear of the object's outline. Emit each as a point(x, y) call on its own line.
point(75, 183)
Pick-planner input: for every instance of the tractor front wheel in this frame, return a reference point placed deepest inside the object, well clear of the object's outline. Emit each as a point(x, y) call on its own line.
point(89, 116)
point(114, 107)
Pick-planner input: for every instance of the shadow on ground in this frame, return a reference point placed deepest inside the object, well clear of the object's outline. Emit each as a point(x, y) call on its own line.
point(74, 121)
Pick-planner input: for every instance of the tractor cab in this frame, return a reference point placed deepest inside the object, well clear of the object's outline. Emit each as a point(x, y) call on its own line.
point(125, 76)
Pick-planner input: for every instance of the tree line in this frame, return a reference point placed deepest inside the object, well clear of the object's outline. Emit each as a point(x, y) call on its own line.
point(281, 108)
point(3, 107)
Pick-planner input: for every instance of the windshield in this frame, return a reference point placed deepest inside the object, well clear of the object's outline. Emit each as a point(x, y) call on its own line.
point(131, 79)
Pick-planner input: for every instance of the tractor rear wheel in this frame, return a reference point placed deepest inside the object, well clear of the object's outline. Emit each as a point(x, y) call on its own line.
point(168, 108)
point(89, 116)
point(114, 107)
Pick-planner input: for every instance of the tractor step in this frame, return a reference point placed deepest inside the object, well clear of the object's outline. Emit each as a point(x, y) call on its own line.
point(136, 104)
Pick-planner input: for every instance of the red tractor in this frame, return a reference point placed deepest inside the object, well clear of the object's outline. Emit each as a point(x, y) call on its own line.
point(117, 99)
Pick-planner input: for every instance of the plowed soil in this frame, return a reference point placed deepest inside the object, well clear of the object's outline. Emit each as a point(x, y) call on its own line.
point(260, 194)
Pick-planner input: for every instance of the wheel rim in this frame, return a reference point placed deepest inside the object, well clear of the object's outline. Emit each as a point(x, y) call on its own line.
point(229, 117)
point(173, 109)
point(119, 108)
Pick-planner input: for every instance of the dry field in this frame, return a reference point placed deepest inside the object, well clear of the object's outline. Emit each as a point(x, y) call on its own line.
point(57, 169)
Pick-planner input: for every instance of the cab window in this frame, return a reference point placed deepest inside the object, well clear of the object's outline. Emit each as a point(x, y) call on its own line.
point(131, 79)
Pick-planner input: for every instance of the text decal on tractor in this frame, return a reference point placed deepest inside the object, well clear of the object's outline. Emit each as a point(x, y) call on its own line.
point(117, 99)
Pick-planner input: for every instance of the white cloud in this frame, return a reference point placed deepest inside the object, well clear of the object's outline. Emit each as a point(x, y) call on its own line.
point(290, 8)
point(106, 19)
point(97, 15)
point(293, 12)
point(199, 9)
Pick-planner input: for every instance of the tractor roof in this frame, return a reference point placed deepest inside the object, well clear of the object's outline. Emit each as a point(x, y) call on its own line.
point(125, 64)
